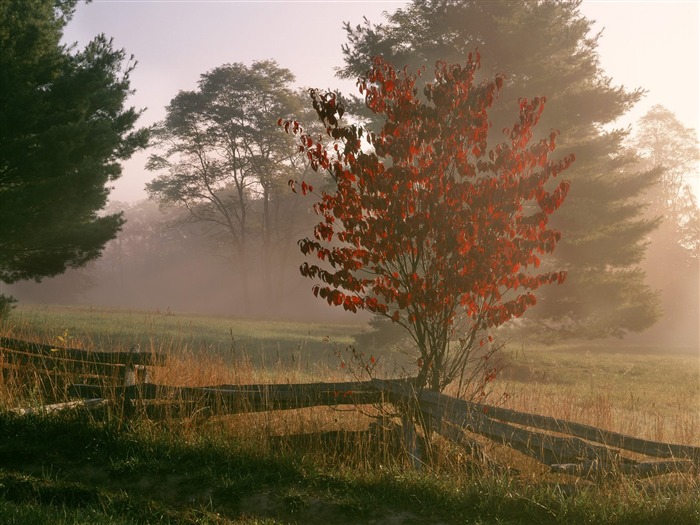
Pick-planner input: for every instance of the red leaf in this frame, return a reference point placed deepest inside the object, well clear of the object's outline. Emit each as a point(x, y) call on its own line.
point(499, 81)
point(429, 223)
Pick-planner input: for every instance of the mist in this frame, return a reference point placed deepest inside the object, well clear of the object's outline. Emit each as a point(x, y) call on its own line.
point(161, 262)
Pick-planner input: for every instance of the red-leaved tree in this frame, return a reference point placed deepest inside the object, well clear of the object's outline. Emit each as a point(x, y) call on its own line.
point(427, 226)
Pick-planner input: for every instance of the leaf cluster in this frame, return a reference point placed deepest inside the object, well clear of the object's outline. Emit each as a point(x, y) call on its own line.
point(427, 225)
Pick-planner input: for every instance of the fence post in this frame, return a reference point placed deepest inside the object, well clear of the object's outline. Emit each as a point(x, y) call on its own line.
point(134, 376)
point(410, 439)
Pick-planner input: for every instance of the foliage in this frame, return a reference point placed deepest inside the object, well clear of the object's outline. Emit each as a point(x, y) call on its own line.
point(64, 129)
point(427, 226)
point(672, 149)
point(7, 304)
point(224, 160)
point(665, 143)
point(547, 47)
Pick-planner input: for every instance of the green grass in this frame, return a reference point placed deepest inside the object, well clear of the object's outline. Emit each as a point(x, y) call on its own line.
point(262, 341)
point(645, 392)
point(76, 471)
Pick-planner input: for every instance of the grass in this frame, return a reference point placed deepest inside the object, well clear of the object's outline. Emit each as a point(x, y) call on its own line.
point(98, 474)
point(324, 465)
point(644, 392)
point(263, 342)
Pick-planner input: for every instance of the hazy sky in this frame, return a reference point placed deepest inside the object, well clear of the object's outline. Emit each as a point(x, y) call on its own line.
point(650, 44)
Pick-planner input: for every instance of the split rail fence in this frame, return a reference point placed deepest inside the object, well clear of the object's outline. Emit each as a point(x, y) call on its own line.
point(122, 379)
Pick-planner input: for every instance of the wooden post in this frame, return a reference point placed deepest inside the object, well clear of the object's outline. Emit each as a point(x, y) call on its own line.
point(134, 377)
point(410, 439)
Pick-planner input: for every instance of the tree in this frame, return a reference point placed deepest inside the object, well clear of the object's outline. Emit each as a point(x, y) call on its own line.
point(665, 144)
point(143, 268)
point(427, 226)
point(224, 157)
point(545, 47)
point(64, 129)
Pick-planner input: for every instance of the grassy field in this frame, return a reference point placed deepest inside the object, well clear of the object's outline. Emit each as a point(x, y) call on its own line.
point(264, 343)
point(324, 465)
point(645, 392)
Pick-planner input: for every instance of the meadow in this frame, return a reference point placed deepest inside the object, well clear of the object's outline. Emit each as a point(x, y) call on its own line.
point(178, 333)
point(324, 465)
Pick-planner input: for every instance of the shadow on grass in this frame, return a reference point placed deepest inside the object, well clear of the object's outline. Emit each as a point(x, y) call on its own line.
point(69, 470)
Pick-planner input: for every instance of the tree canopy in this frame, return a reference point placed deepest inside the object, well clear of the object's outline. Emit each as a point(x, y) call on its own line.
point(64, 129)
point(666, 144)
point(671, 148)
point(224, 160)
point(545, 47)
point(427, 225)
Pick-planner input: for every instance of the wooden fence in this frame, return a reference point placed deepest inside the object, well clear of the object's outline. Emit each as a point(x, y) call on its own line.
point(56, 368)
point(575, 448)
point(567, 447)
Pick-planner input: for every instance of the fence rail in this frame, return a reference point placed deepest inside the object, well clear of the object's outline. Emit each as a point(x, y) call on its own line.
point(39, 351)
point(567, 447)
point(230, 399)
point(582, 449)
point(56, 367)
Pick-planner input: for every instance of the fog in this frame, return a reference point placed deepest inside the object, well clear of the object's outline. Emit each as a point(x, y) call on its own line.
point(162, 262)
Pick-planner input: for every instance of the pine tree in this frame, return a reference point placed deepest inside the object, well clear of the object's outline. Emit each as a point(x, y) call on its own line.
point(63, 131)
point(545, 48)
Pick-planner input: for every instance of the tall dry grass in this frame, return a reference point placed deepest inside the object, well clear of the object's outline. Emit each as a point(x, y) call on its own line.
point(632, 404)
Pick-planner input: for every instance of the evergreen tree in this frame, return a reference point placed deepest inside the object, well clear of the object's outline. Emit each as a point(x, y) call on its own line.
point(63, 131)
point(545, 47)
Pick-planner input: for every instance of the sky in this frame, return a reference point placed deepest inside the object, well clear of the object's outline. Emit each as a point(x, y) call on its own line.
point(654, 45)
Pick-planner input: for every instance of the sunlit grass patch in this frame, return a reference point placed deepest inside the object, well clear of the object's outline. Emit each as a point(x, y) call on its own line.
point(649, 394)
point(264, 342)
